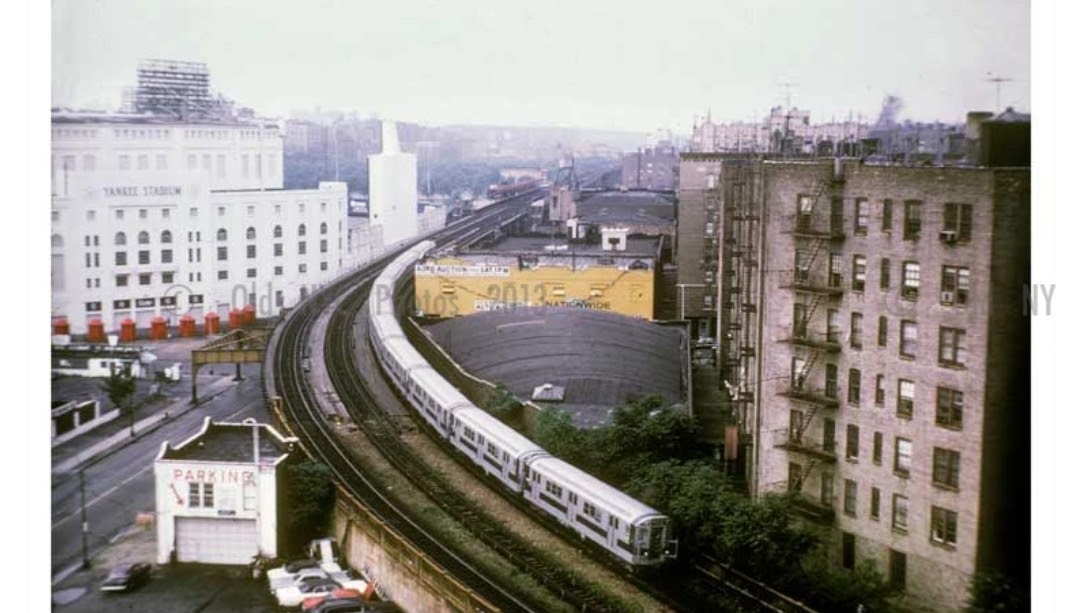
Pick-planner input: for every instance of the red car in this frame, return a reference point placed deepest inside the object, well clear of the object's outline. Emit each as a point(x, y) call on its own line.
point(309, 604)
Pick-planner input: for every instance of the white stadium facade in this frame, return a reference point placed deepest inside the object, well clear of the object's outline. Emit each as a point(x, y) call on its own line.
point(152, 216)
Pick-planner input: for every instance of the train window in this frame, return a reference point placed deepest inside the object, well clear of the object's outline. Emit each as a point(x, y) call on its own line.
point(590, 510)
point(553, 489)
point(573, 498)
point(492, 449)
point(469, 434)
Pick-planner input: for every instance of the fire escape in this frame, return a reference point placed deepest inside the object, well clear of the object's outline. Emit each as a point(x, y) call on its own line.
point(740, 290)
point(816, 282)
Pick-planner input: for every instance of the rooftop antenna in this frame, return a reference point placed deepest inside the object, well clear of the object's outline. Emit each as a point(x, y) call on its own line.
point(997, 81)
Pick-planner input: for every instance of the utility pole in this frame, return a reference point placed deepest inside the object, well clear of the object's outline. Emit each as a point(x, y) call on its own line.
point(997, 81)
point(85, 525)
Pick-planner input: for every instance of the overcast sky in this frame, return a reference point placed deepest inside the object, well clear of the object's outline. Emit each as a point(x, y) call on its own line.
point(629, 65)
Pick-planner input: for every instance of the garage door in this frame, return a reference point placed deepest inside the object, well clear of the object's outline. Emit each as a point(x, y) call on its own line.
point(213, 540)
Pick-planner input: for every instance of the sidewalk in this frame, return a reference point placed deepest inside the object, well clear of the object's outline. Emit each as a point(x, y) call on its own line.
point(117, 433)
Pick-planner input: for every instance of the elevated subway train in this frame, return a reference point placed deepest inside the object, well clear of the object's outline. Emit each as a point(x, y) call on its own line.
point(629, 529)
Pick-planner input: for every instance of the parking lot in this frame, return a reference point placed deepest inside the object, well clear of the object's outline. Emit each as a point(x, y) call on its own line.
point(179, 588)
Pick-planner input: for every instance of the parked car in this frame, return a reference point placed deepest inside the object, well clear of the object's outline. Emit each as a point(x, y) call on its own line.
point(293, 596)
point(304, 575)
point(338, 594)
point(343, 605)
point(291, 568)
point(126, 577)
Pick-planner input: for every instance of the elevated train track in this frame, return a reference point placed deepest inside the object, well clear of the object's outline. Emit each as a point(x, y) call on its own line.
point(285, 377)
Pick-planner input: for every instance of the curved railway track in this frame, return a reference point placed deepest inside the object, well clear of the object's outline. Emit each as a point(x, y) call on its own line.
point(285, 378)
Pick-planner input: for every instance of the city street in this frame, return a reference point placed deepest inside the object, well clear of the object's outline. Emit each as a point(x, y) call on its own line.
point(120, 485)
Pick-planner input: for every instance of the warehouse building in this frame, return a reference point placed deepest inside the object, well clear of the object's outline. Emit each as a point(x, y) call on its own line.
point(618, 274)
point(217, 493)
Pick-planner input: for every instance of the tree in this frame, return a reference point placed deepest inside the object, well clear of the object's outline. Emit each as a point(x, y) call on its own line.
point(120, 387)
point(828, 588)
point(310, 500)
point(993, 592)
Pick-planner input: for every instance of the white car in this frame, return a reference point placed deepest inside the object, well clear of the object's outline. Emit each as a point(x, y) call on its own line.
point(293, 596)
point(306, 575)
point(290, 569)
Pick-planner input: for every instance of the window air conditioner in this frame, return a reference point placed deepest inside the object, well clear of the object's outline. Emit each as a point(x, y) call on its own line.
point(948, 297)
point(948, 236)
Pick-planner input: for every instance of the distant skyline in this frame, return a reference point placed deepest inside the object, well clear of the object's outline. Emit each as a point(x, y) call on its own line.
point(601, 64)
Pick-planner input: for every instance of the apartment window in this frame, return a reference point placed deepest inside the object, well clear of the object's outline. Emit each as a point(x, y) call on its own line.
point(878, 444)
point(831, 380)
point(950, 408)
point(124, 162)
point(912, 219)
point(192, 161)
point(143, 213)
point(322, 246)
point(875, 503)
point(854, 390)
point(278, 249)
point(162, 162)
point(301, 230)
point(322, 226)
point(222, 275)
point(277, 231)
point(886, 272)
point(879, 390)
point(951, 346)
point(144, 162)
point(799, 321)
point(250, 210)
point(166, 236)
point(905, 398)
point(251, 273)
point(828, 436)
point(836, 267)
point(797, 375)
point(119, 214)
point(208, 495)
point(302, 247)
point(121, 280)
point(882, 331)
point(279, 298)
point(279, 270)
point(300, 206)
point(947, 467)
point(902, 461)
point(144, 257)
point(323, 266)
point(794, 477)
point(206, 162)
point(121, 258)
point(852, 447)
point(144, 278)
point(858, 273)
point(194, 495)
point(909, 337)
point(165, 213)
point(322, 208)
point(832, 326)
point(856, 330)
point(897, 570)
point(250, 233)
point(851, 490)
point(303, 268)
point(222, 253)
point(91, 215)
point(955, 283)
point(827, 490)
point(251, 252)
point(899, 512)
point(167, 277)
point(862, 216)
point(910, 287)
point(193, 212)
point(120, 239)
point(942, 526)
point(957, 223)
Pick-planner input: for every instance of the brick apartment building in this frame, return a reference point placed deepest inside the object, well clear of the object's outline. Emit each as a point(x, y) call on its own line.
point(873, 339)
